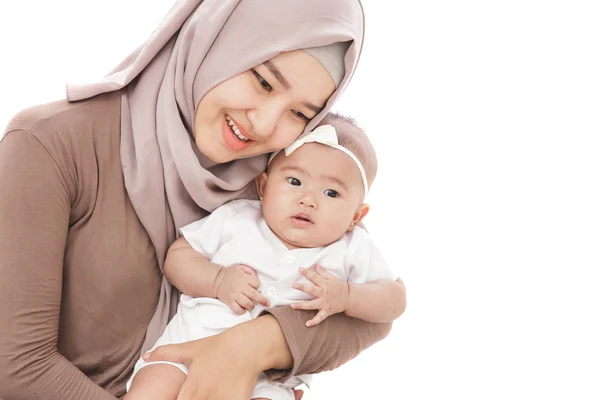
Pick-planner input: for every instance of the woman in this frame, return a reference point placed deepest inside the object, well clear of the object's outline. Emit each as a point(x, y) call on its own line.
point(94, 190)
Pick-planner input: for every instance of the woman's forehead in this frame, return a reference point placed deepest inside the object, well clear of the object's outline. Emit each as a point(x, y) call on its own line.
point(301, 74)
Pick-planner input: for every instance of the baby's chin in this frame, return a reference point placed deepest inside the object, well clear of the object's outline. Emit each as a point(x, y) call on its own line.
point(306, 240)
point(298, 244)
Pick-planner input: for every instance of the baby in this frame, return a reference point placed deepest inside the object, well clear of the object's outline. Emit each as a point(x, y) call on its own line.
point(299, 245)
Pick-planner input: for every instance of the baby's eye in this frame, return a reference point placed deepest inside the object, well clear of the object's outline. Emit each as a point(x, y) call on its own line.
point(293, 181)
point(331, 193)
point(300, 115)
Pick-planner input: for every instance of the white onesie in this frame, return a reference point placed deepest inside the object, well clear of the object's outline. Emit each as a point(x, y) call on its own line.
point(236, 233)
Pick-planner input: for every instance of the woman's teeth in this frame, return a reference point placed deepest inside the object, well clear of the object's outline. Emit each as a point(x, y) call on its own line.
point(235, 129)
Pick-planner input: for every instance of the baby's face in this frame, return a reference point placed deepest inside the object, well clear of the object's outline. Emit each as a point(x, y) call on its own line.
point(311, 197)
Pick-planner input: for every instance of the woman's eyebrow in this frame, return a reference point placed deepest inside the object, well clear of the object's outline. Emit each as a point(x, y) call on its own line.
point(286, 84)
point(316, 109)
point(277, 73)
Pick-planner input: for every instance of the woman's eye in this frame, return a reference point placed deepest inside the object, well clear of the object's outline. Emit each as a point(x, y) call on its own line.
point(300, 115)
point(293, 181)
point(331, 193)
point(262, 81)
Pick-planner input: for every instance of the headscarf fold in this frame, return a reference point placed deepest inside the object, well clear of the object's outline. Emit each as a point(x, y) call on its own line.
point(199, 44)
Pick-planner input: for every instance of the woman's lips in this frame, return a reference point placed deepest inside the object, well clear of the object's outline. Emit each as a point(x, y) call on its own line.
point(231, 140)
point(243, 131)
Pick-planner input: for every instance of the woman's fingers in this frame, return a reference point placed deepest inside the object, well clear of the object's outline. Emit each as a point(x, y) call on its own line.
point(190, 391)
point(211, 371)
point(171, 352)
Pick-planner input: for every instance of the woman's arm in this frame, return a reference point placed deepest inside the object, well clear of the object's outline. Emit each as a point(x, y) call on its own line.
point(35, 202)
point(237, 355)
point(326, 346)
point(278, 343)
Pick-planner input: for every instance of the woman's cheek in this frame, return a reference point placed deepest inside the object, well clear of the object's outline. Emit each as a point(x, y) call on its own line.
point(286, 133)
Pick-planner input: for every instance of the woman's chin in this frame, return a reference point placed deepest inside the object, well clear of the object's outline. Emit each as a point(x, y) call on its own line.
point(215, 154)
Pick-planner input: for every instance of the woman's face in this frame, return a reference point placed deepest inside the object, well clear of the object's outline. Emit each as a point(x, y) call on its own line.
point(263, 109)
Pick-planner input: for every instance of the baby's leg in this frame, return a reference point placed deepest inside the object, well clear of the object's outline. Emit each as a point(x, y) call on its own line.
point(269, 391)
point(156, 382)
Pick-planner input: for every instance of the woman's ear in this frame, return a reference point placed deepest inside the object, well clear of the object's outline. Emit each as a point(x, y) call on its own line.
point(261, 182)
point(360, 213)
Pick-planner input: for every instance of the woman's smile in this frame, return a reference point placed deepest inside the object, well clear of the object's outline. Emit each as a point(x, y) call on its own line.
point(234, 135)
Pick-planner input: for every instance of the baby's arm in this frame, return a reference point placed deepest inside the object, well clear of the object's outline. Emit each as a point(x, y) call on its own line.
point(370, 292)
point(190, 271)
point(193, 274)
point(382, 300)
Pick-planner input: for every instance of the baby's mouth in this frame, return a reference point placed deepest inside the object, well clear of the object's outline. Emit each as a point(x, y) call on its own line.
point(302, 218)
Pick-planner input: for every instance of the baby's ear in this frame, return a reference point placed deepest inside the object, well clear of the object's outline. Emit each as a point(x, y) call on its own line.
point(261, 182)
point(360, 213)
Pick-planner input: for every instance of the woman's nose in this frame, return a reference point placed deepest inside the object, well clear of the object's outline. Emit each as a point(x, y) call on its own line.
point(264, 119)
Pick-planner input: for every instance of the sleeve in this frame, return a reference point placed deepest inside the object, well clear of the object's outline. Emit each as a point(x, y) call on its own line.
point(34, 219)
point(208, 234)
point(325, 346)
point(365, 263)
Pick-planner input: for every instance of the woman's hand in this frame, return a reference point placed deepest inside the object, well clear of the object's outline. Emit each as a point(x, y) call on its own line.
point(213, 367)
point(331, 294)
point(237, 287)
point(226, 366)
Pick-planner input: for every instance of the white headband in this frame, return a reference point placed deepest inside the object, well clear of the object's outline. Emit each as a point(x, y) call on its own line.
point(325, 134)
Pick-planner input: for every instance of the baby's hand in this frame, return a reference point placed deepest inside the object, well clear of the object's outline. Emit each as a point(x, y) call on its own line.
point(236, 286)
point(332, 294)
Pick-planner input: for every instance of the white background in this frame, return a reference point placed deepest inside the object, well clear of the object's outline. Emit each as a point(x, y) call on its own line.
point(486, 120)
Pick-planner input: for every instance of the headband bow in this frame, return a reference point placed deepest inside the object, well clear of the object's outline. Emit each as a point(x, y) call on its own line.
point(325, 134)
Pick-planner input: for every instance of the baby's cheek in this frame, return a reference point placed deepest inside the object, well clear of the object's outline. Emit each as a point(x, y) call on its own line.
point(334, 229)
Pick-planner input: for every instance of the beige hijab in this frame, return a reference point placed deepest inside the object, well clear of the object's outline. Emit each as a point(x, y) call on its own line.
point(199, 44)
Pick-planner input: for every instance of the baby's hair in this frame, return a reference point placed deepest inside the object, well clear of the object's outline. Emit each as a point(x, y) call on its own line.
point(353, 137)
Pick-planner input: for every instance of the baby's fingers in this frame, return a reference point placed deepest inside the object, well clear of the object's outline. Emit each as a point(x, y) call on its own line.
point(247, 269)
point(235, 307)
point(256, 297)
point(320, 317)
point(309, 289)
point(245, 302)
point(307, 305)
point(323, 272)
point(253, 280)
point(312, 276)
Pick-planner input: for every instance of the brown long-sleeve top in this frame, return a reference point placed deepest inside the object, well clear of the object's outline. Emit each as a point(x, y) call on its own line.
point(79, 278)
